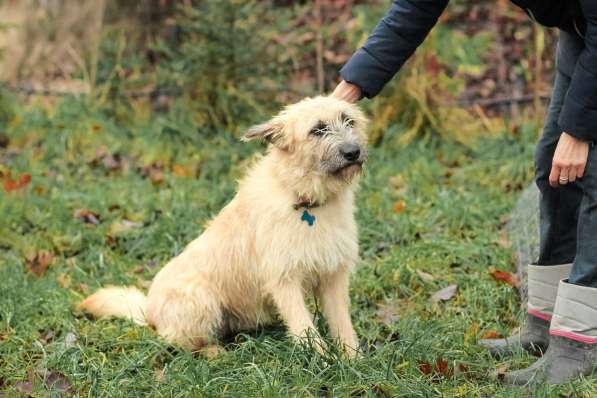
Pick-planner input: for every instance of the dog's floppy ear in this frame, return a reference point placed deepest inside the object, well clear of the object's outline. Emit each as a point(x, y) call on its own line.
point(270, 131)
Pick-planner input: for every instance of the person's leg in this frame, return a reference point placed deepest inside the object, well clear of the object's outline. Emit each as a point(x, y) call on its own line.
point(558, 206)
point(558, 220)
point(572, 344)
point(572, 347)
point(584, 270)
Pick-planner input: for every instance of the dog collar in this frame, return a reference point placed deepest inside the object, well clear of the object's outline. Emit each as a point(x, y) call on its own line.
point(306, 205)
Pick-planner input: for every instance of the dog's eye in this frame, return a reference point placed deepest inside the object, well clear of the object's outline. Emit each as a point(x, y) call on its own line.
point(347, 121)
point(320, 129)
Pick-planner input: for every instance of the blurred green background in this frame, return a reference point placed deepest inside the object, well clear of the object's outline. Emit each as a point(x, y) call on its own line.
point(231, 63)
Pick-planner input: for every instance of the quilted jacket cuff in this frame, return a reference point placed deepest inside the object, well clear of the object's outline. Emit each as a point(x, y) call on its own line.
point(579, 114)
point(365, 71)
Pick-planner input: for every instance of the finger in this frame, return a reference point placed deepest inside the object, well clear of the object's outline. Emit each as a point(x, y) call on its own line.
point(580, 170)
point(572, 174)
point(554, 176)
point(564, 173)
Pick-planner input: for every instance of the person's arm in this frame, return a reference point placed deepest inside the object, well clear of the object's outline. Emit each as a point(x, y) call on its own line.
point(578, 118)
point(579, 113)
point(394, 40)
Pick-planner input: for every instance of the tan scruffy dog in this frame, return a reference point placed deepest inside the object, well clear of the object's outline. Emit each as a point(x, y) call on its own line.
point(289, 230)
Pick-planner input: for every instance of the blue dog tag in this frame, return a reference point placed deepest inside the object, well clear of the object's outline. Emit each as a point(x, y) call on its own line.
point(308, 217)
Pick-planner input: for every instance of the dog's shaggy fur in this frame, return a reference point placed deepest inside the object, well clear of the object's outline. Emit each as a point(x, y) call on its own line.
point(259, 255)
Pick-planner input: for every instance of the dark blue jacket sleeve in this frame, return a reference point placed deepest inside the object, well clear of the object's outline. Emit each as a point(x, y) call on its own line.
point(394, 40)
point(579, 113)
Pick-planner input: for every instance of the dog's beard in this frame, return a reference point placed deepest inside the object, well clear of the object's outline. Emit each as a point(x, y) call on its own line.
point(349, 171)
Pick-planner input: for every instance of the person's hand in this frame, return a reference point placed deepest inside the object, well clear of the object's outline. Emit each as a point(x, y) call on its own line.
point(569, 160)
point(347, 92)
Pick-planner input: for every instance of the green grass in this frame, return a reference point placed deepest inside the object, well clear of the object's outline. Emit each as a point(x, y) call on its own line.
point(456, 201)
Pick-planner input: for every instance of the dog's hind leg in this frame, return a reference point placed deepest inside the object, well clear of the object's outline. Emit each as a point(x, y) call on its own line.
point(333, 293)
point(289, 299)
point(189, 318)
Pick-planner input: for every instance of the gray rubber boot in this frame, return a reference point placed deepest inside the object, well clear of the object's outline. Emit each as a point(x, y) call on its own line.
point(564, 361)
point(543, 283)
point(534, 338)
point(572, 348)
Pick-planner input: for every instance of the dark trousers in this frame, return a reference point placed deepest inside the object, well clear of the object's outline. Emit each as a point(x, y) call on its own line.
point(568, 214)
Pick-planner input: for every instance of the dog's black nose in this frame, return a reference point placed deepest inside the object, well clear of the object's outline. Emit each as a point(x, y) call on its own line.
point(351, 152)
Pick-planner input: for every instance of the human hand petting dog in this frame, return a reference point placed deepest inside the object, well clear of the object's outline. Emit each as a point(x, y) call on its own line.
point(347, 92)
point(569, 160)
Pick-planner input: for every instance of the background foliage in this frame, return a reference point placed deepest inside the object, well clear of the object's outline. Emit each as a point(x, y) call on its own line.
point(119, 125)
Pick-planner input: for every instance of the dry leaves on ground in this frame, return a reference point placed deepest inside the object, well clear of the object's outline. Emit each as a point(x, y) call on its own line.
point(441, 368)
point(39, 262)
point(425, 276)
point(399, 206)
point(53, 381)
point(505, 277)
point(491, 334)
point(445, 294)
point(87, 216)
point(387, 313)
point(17, 184)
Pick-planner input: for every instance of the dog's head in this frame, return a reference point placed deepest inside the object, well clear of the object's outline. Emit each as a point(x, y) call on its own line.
point(320, 137)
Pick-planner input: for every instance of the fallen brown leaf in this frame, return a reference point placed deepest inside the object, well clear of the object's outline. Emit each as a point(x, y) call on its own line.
point(445, 294)
point(11, 185)
point(38, 263)
point(491, 334)
point(387, 313)
point(111, 162)
point(425, 368)
point(505, 277)
point(399, 206)
point(461, 370)
point(154, 171)
point(25, 387)
point(442, 367)
point(87, 216)
point(156, 177)
point(425, 276)
point(54, 380)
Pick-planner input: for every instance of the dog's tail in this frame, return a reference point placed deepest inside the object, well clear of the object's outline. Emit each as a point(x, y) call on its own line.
point(112, 301)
